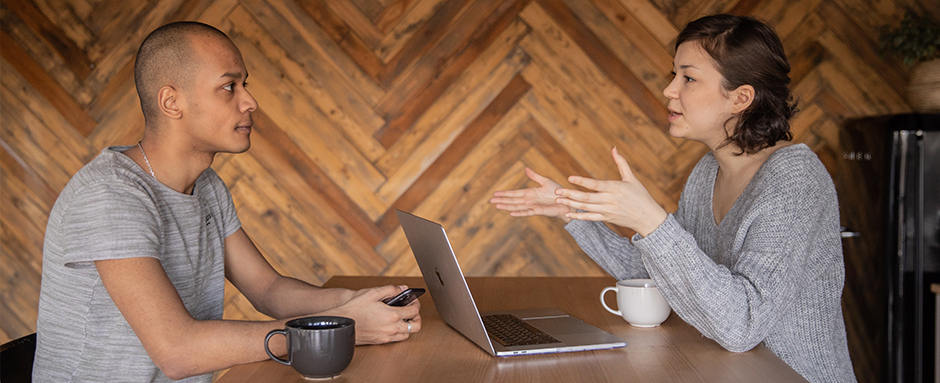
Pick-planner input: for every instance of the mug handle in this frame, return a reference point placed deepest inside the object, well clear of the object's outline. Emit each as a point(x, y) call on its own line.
point(612, 311)
point(266, 349)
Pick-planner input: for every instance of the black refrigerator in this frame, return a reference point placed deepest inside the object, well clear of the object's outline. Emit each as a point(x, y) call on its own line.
point(888, 181)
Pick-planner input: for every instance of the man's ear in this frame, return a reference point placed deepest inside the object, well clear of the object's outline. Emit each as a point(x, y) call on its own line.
point(170, 102)
point(743, 97)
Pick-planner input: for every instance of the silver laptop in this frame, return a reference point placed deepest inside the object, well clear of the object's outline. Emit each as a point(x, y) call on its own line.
point(542, 330)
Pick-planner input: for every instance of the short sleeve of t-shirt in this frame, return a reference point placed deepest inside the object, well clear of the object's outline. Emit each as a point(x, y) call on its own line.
point(108, 212)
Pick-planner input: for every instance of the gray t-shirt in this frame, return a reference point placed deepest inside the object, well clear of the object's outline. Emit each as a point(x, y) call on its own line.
point(113, 209)
point(771, 271)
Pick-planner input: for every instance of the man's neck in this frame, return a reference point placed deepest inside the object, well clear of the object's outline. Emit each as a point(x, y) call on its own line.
point(174, 164)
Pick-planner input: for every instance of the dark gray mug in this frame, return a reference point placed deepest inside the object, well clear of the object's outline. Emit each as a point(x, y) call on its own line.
point(317, 347)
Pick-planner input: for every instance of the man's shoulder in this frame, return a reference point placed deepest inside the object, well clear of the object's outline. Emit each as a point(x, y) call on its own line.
point(110, 173)
point(106, 166)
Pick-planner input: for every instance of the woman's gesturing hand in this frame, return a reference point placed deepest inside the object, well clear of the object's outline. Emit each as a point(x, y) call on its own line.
point(624, 203)
point(532, 201)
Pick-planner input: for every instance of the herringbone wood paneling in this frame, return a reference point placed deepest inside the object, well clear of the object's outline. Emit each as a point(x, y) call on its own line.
point(368, 106)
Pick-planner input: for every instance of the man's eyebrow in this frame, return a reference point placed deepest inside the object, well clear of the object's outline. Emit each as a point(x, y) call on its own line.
point(235, 75)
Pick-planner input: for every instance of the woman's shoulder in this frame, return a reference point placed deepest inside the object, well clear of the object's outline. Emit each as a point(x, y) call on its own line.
point(796, 160)
point(794, 167)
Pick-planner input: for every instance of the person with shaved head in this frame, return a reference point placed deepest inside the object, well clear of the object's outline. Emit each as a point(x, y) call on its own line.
point(141, 240)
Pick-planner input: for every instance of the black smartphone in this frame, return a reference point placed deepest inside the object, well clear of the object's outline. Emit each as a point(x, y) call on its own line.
point(404, 298)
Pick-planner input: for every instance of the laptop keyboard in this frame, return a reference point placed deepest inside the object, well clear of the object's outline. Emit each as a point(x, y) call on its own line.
point(511, 331)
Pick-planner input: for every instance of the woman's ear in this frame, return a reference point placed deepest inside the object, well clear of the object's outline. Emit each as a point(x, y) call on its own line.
point(743, 97)
point(169, 102)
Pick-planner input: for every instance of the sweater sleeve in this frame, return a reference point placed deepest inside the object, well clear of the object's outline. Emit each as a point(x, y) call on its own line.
point(610, 250)
point(739, 303)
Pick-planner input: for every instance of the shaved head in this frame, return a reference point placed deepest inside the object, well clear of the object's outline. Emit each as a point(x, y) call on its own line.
point(167, 57)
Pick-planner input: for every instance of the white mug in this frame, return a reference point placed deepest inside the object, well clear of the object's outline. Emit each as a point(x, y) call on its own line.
point(640, 302)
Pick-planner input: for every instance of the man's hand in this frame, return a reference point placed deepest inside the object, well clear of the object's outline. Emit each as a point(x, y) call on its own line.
point(377, 322)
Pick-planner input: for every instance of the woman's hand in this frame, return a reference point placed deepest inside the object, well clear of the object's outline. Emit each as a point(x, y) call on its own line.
point(532, 201)
point(624, 203)
point(377, 322)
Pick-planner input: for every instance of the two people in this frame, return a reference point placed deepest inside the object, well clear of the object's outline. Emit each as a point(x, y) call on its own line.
point(139, 243)
point(753, 254)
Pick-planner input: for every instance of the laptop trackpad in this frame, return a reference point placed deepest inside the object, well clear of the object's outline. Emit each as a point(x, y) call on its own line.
point(562, 326)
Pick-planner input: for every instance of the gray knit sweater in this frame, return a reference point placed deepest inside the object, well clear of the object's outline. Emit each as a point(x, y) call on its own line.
point(771, 271)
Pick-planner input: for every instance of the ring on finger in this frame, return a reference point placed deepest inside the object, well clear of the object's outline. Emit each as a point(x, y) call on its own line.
point(409, 327)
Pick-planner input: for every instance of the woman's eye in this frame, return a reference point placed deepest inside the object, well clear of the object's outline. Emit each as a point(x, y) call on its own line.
point(688, 79)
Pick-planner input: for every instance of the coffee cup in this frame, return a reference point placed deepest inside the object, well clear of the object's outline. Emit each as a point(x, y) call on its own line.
point(318, 347)
point(640, 302)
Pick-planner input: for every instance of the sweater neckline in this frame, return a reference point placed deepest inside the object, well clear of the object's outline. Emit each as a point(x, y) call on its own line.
point(747, 189)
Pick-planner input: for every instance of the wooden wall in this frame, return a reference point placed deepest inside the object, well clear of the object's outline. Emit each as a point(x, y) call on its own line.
point(368, 106)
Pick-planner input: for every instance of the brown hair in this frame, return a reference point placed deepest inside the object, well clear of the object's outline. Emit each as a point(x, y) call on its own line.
point(748, 52)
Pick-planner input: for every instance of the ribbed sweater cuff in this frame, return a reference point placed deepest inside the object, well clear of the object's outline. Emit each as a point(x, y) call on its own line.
point(664, 237)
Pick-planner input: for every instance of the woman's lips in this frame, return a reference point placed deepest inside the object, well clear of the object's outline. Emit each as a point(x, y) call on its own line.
point(674, 116)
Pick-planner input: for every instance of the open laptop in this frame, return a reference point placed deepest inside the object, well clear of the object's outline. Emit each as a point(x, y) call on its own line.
point(551, 330)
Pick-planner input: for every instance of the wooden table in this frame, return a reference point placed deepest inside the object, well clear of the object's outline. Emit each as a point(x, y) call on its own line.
point(672, 352)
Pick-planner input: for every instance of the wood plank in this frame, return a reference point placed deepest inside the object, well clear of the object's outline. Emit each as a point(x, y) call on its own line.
point(659, 55)
point(427, 35)
point(68, 17)
point(298, 34)
point(50, 60)
point(606, 61)
point(618, 120)
point(504, 32)
point(361, 24)
point(121, 45)
point(32, 103)
point(358, 48)
point(17, 138)
point(415, 152)
point(26, 216)
point(57, 39)
point(393, 13)
point(359, 127)
point(35, 75)
point(590, 143)
point(336, 122)
point(281, 152)
point(472, 179)
point(458, 147)
point(432, 63)
point(654, 76)
point(411, 24)
point(320, 140)
point(850, 34)
point(875, 87)
point(283, 213)
point(653, 20)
